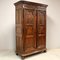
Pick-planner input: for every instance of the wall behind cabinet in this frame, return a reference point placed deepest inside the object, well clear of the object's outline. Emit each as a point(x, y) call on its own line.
point(7, 23)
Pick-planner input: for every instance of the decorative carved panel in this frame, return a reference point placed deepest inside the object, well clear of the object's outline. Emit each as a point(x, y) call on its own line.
point(41, 29)
point(41, 41)
point(18, 42)
point(18, 16)
point(41, 17)
point(29, 43)
point(18, 29)
point(29, 30)
point(29, 16)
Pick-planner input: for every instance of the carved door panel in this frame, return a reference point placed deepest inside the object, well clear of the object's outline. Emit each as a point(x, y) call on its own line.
point(41, 41)
point(41, 17)
point(29, 30)
point(41, 28)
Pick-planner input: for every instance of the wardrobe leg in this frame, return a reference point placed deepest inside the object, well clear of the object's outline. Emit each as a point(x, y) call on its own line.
point(16, 53)
point(44, 50)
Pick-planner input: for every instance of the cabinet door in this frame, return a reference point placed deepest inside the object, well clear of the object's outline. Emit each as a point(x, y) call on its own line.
point(41, 29)
point(29, 30)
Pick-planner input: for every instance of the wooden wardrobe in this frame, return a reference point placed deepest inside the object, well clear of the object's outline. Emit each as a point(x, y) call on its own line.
point(30, 28)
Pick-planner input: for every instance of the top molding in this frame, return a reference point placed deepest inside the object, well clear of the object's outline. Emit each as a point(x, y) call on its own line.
point(30, 3)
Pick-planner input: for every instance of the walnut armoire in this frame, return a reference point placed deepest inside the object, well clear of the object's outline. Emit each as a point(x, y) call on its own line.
point(30, 28)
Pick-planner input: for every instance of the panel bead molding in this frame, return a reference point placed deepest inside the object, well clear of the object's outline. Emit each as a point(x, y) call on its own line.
point(30, 28)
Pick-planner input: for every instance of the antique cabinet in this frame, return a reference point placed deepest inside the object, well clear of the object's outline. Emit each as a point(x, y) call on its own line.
point(30, 28)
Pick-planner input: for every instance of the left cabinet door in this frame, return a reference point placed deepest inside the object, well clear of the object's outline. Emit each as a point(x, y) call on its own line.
point(29, 30)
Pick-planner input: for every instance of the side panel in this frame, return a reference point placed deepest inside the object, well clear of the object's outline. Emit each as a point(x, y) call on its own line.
point(19, 30)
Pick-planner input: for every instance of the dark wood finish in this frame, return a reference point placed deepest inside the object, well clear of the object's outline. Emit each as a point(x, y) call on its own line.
point(30, 28)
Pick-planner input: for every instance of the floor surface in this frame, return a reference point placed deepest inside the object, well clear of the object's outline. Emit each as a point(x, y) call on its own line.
point(53, 54)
